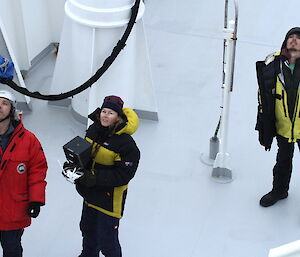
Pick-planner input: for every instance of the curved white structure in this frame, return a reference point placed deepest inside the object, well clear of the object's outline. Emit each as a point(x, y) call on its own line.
point(101, 14)
point(91, 30)
point(288, 250)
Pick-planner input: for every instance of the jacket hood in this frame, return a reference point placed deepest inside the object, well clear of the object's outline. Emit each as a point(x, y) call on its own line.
point(95, 114)
point(132, 123)
point(292, 31)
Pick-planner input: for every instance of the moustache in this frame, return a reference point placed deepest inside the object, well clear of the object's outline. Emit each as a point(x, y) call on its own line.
point(293, 50)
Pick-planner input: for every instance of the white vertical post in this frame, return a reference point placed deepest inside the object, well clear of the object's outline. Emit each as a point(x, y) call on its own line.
point(14, 60)
point(221, 167)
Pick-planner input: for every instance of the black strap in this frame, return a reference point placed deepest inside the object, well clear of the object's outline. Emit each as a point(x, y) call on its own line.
point(108, 61)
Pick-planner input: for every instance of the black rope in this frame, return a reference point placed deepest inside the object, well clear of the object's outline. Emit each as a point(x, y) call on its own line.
point(218, 127)
point(107, 63)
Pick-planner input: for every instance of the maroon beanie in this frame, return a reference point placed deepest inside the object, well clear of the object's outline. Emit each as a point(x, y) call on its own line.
point(113, 102)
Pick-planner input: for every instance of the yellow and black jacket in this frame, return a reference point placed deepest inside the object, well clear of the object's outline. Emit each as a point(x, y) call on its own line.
point(114, 161)
point(278, 108)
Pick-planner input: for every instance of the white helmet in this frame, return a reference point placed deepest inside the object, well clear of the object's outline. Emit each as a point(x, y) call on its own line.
point(8, 95)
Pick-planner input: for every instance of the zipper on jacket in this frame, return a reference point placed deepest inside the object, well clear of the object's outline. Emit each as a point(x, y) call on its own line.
point(281, 79)
point(283, 103)
point(295, 114)
point(293, 125)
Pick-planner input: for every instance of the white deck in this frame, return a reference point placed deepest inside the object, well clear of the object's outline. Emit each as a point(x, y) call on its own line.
point(174, 208)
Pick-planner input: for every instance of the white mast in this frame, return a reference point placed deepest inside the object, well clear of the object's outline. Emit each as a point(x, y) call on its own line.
point(91, 30)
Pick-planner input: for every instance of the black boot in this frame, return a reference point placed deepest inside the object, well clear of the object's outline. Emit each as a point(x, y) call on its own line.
point(271, 198)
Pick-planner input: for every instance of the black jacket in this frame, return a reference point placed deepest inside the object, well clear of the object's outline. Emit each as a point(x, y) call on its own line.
point(115, 158)
point(266, 77)
point(267, 72)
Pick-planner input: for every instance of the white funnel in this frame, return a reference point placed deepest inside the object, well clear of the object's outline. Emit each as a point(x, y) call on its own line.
point(91, 30)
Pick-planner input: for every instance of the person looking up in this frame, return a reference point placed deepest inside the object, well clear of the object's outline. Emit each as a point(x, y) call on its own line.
point(23, 169)
point(279, 111)
point(114, 161)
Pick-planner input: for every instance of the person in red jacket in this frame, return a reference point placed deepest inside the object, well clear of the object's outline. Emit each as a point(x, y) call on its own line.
point(23, 169)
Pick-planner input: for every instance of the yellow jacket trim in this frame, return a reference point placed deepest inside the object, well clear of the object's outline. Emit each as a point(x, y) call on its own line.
point(118, 194)
point(107, 157)
point(284, 125)
point(132, 123)
point(103, 156)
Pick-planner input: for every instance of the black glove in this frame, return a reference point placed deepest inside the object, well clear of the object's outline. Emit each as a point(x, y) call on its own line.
point(68, 165)
point(34, 209)
point(88, 179)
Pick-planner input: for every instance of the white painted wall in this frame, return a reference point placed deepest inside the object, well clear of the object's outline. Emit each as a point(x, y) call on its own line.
point(32, 25)
point(37, 27)
point(12, 18)
point(56, 14)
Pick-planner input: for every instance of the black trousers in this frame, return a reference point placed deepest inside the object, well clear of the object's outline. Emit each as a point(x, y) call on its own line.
point(282, 170)
point(11, 243)
point(100, 233)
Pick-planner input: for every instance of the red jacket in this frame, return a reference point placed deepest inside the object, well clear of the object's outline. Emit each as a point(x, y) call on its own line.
point(23, 169)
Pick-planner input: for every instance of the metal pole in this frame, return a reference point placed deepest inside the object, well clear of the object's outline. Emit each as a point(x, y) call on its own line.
point(234, 38)
point(214, 141)
point(221, 168)
point(224, 42)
